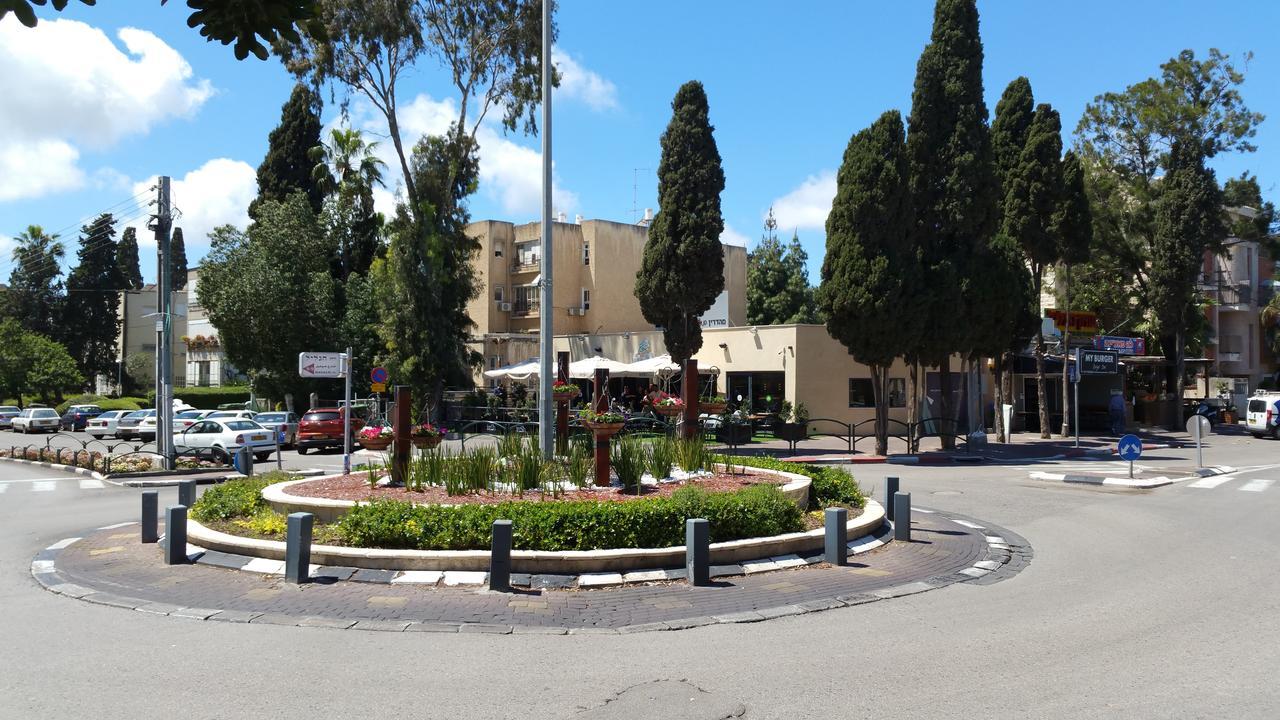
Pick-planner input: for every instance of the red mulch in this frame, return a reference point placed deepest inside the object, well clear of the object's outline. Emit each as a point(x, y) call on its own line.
point(356, 487)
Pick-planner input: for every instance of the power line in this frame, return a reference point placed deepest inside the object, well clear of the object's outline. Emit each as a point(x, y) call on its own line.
point(89, 245)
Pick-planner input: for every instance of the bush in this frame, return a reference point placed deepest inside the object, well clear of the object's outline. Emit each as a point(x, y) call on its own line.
point(572, 525)
point(830, 485)
point(239, 498)
point(207, 398)
point(102, 402)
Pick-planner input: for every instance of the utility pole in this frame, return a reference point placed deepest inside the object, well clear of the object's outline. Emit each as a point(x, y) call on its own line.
point(164, 328)
point(546, 340)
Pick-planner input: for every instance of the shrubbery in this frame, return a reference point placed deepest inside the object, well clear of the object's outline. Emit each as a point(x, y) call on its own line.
point(240, 498)
point(830, 485)
point(758, 511)
point(124, 403)
point(208, 398)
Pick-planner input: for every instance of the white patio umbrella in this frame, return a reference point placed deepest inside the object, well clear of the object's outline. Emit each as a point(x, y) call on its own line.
point(659, 366)
point(586, 367)
point(522, 370)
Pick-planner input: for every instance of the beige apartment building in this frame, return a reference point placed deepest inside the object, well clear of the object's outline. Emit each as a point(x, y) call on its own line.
point(594, 273)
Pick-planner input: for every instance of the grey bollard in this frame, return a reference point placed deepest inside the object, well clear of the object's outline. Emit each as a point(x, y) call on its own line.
point(150, 516)
point(890, 488)
point(837, 536)
point(175, 535)
point(245, 462)
point(500, 557)
point(697, 551)
point(297, 549)
point(187, 493)
point(902, 516)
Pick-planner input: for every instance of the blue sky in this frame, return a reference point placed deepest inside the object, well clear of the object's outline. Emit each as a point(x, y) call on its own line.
point(92, 110)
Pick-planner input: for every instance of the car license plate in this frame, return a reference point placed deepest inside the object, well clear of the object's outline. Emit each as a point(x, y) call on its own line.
point(259, 437)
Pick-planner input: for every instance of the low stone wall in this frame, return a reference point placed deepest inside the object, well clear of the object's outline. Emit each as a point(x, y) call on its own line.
point(536, 561)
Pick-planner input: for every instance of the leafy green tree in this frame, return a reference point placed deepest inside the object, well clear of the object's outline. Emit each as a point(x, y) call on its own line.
point(778, 290)
point(428, 278)
point(490, 50)
point(953, 185)
point(35, 289)
point(869, 234)
point(127, 260)
point(1003, 285)
point(1188, 222)
point(33, 364)
point(91, 311)
point(226, 21)
point(1244, 191)
point(1074, 226)
point(177, 260)
point(1032, 193)
point(287, 167)
point(683, 268)
point(141, 369)
point(347, 170)
point(270, 294)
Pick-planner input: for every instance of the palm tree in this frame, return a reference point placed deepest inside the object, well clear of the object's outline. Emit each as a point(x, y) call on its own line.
point(346, 159)
point(34, 289)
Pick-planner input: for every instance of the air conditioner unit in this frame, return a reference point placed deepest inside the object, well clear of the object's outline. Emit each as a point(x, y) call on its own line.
point(575, 311)
point(505, 307)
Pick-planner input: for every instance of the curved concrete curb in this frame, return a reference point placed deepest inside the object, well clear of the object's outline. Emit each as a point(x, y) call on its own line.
point(55, 466)
point(329, 510)
point(569, 562)
point(1135, 483)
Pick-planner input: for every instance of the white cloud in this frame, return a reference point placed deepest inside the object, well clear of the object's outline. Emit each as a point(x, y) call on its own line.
point(67, 85)
point(36, 168)
point(808, 205)
point(510, 174)
point(579, 83)
point(6, 249)
point(216, 193)
point(733, 237)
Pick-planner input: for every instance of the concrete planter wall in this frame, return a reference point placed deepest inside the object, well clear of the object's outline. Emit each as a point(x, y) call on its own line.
point(532, 561)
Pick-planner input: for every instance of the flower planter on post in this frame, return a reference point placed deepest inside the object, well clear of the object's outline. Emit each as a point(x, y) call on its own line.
point(425, 442)
point(378, 444)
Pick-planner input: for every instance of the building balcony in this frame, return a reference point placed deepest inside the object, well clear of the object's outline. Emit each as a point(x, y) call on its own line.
point(525, 309)
point(1230, 357)
point(526, 265)
point(1234, 297)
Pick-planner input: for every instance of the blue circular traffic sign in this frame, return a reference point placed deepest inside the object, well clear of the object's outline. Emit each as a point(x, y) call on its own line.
point(379, 375)
point(1129, 448)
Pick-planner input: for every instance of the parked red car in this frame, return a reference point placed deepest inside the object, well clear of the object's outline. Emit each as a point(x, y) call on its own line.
point(322, 428)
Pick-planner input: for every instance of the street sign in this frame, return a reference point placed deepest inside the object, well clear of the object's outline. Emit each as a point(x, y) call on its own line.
point(321, 364)
point(379, 375)
point(1097, 362)
point(378, 387)
point(1073, 373)
point(1129, 448)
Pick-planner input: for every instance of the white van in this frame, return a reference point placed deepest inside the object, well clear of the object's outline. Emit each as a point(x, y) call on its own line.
point(1263, 416)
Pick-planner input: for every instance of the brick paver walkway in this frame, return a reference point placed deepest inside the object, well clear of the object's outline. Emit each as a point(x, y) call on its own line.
point(110, 566)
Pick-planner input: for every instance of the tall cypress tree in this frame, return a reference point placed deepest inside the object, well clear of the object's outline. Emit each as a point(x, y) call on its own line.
point(1188, 221)
point(868, 252)
point(177, 261)
point(91, 312)
point(1009, 129)
point(127, 260)
point(287, 167)
point(1033, 191)
point(1074, 227)
point(953, 184)
point(683, 268)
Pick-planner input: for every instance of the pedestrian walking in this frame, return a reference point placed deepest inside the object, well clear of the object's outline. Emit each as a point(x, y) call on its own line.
point(1116, 408)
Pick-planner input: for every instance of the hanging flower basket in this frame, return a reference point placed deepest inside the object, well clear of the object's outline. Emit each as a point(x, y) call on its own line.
point(426, 435)
point(564, 392)
point(605, 429)
point(375, 443)
point(425, 442)
point(712, 405)
point(669, 410)
point(376, 438)
point(603, 425)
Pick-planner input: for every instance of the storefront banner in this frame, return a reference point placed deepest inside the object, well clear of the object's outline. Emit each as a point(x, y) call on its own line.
point(1121, 345)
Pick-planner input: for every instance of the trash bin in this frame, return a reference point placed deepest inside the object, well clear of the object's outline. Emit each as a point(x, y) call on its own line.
point(243, 461)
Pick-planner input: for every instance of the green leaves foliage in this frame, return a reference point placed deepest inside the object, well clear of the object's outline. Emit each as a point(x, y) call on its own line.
point(90, 319)
point(288, 167)
point(683, 268)
point(778, 290)
point(829, 486)
point(34, 364)
point(127, 260)
point(1188, 221)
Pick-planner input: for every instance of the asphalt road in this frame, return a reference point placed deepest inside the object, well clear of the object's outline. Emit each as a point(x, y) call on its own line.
point(1141, 604)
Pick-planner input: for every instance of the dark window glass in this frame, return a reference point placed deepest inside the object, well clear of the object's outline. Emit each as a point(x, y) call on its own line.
point(861, 393)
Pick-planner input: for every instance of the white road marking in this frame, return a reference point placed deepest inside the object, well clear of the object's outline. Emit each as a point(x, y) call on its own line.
point(967, 524)
point(1212, 482)
point(90, 484)
point(118, 525)
point(44, 486)
point(1257, 485)
point(3, 487)
point(62, 543)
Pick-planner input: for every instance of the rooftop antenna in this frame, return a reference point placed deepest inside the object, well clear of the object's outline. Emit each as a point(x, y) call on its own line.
point(635, 183)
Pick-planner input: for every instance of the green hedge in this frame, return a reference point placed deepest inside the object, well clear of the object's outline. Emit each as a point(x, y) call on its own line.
point(208, 398)
point(124, 403)
point(830, 485)
point(758, 511)
point(236, 498)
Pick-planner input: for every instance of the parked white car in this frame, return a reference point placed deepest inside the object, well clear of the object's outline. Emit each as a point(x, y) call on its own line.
point(231, 415)
point(7, 414)
point(227, 435)
point(105, 424)
point(1263, 415)
point(37, 420)
point(285, 425)
point(127, 427)
point(187, 418)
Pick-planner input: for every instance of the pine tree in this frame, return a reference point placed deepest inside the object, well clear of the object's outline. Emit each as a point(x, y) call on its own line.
point(91, 311)
point(127, 259)
point(177, 261)
point(778, 290)
point(1032, 193)
point(868, 252)
point(683, 268)
point(287, 167)
point(1188, 221)
point(35, 288)
point(1073, 225)
point(953, 185)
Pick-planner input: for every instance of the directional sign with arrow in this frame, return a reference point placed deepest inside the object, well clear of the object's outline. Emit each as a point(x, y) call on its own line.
point(321, 364)
point(1129, 448)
